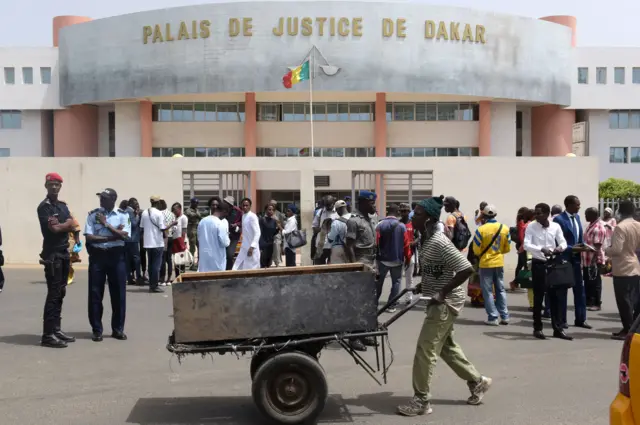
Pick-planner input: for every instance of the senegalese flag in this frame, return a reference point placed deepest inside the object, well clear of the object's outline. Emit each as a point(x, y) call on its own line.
point(296, 75)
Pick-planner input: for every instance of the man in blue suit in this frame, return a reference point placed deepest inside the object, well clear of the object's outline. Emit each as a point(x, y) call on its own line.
point(571, 226)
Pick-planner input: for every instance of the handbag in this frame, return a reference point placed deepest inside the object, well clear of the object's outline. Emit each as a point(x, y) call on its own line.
point(183, 259)
point(560, 274)
point(296, 239)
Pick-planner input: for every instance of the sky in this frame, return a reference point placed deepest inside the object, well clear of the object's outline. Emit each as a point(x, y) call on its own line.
point(600, 23)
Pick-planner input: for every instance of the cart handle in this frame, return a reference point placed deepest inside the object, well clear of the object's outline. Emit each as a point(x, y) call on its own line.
point(402, 311)
point(394, 299)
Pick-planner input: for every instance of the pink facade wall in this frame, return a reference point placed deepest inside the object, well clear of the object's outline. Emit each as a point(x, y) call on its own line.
point(75, 131)
point(60, 22)
point(484, 129)
point(551, 125)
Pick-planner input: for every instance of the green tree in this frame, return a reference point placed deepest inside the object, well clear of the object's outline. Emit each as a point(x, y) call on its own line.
point(618, 189)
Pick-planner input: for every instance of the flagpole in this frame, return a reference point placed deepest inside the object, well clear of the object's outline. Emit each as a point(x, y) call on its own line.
point(311, 71)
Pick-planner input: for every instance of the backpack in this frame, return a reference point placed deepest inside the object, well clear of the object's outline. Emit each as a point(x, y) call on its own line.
point(515, 237)
point(461, 233)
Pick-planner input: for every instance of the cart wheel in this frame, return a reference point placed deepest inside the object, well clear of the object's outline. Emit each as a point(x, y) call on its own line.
point(256, 362)
point(290, 388)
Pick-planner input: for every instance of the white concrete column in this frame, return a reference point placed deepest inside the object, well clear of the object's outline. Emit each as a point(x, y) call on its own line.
point(307, 204)
point(128, 129)
point(503, 129)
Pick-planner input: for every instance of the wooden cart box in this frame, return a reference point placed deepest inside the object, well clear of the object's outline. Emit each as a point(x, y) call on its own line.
point(278, 302)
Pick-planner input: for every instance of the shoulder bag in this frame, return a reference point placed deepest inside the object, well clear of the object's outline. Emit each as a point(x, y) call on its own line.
point(296, 239)
point(560, 274)
point(472, 257)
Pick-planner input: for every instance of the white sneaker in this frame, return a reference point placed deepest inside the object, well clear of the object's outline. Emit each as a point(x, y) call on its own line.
point(478, 390)
point(162, 283)
point(504, 321)
point(492, 322)
point(168, 283)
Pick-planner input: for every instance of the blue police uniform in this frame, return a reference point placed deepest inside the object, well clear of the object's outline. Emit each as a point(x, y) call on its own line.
point(107, 264)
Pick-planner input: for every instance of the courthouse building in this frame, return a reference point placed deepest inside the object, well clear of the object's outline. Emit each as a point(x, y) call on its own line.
point(387, 80)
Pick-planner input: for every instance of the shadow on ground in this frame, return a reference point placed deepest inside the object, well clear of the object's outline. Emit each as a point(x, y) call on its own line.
point(242, 411)
point(218, 411)
point(29, 340)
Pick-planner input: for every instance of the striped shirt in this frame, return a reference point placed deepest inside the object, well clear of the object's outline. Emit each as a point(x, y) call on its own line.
point(440, 260)
point(594, 234)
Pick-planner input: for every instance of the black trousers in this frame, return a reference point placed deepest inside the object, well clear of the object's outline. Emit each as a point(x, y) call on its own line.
point(557, 298)
point(592, 286)
point(143, 257)
point(289, 257)
point(266, 256)
point(107, 266)
point(627, 292)
point(522, 262)
point(1, 279)
point(56, 272)
point(167, 263)
point(324, 257)
point(132, 255)
point(231, 252)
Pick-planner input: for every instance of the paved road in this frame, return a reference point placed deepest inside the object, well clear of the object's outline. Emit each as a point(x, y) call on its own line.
point(139, 382)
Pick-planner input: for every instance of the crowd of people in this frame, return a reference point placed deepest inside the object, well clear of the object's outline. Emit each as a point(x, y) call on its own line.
point(555, 253)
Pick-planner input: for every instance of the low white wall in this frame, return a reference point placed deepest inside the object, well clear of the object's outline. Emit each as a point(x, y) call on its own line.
point(471, 180)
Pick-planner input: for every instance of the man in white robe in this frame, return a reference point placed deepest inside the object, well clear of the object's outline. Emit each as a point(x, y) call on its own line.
point(213, 238)
point(249, 256)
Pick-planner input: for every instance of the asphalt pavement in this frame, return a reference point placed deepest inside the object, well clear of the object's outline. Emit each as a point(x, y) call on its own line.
point(139, 382)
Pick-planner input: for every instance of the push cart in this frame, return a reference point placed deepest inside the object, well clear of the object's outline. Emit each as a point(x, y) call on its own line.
point(289, 386)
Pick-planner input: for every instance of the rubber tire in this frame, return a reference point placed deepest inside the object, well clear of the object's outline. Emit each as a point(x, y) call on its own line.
point(316, 381)
point(257, 361)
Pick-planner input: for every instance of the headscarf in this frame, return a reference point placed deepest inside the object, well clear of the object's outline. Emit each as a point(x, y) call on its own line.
point(293, 208)
point(432, 206)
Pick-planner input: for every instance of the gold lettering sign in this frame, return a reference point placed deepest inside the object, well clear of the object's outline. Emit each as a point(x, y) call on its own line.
point(186, 31)
point(331, 26)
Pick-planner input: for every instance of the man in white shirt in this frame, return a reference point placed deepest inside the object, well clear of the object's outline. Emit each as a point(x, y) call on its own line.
point(338, 234)
point(213, 238)
point(326, 213)
point(541, 238)
point(152, 221)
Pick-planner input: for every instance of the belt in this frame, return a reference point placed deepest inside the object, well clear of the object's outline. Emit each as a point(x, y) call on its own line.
point(110, 249)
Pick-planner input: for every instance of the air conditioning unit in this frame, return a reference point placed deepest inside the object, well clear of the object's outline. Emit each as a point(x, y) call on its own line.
point(322, 181)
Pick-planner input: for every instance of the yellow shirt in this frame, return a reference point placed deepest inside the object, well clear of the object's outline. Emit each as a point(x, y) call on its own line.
point(494, 257)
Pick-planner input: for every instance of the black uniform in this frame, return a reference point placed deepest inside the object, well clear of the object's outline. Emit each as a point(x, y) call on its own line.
point(55, 257)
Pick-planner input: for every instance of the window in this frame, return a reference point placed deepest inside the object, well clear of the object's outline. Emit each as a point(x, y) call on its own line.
point(617, 155)
point(10, 120)
point(624, 119)
point(45, 75)
point(447, 111)
point(427, 152)
point(322, 111)
point(111, 125)
point(9, 75)
point(601, 75)
point(5, 152)
point(635, 155)
point(618, 75)
point(27, 75)
point(317, 152)
point(635, 75)
point(583, 75)
point(198, 152)
point(198, 112)
point(432, 112)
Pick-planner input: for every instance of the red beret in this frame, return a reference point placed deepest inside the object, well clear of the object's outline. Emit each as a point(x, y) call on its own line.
point(53, 177)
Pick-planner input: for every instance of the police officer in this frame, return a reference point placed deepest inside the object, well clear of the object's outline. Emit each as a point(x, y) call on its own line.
point(193, 219)
point(106, 231)
point(55, 225)
point(360, 246)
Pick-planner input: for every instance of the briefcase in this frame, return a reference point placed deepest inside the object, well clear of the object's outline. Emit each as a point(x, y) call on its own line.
point(560, 274)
